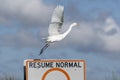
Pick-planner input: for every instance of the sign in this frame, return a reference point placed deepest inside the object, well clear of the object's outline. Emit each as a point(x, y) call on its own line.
point(55, 70)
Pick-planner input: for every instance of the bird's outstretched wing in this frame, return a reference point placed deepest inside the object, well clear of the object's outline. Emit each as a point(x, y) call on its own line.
point(56, 21)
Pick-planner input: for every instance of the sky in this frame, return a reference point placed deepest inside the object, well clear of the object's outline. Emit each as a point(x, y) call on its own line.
point(23, 24)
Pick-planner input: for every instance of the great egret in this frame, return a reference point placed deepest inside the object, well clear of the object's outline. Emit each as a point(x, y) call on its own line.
point(55, 27)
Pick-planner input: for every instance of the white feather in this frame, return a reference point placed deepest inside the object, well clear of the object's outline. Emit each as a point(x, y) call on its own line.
point(56, 21)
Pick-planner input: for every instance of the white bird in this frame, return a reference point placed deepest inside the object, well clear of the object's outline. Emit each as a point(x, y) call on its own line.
point(55, 27)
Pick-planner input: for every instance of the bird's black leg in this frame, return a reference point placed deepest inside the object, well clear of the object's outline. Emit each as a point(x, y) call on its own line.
point(46, 45)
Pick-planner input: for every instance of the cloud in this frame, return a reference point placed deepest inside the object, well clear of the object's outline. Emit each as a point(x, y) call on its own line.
point(21, 39)
point(100, 36)
point(111, 27)
point(111, 37)
point(95, 37)
point(29, 12)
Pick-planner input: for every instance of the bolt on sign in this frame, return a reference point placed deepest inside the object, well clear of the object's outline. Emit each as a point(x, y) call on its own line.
point(55, 70)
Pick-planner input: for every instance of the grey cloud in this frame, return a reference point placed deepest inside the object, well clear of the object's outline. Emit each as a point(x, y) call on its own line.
point(21, 39)
point(94, 38)
point(30, 12)
point(100, 36)
point(111, 27)
point(90, 11)
point(112, 40)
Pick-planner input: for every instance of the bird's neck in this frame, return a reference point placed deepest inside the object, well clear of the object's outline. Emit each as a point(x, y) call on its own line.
point(66, 33)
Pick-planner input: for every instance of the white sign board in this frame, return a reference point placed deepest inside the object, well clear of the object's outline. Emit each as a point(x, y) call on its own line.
point(55, 70)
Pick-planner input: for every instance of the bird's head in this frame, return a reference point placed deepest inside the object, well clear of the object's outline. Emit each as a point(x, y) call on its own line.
point(76, 24)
